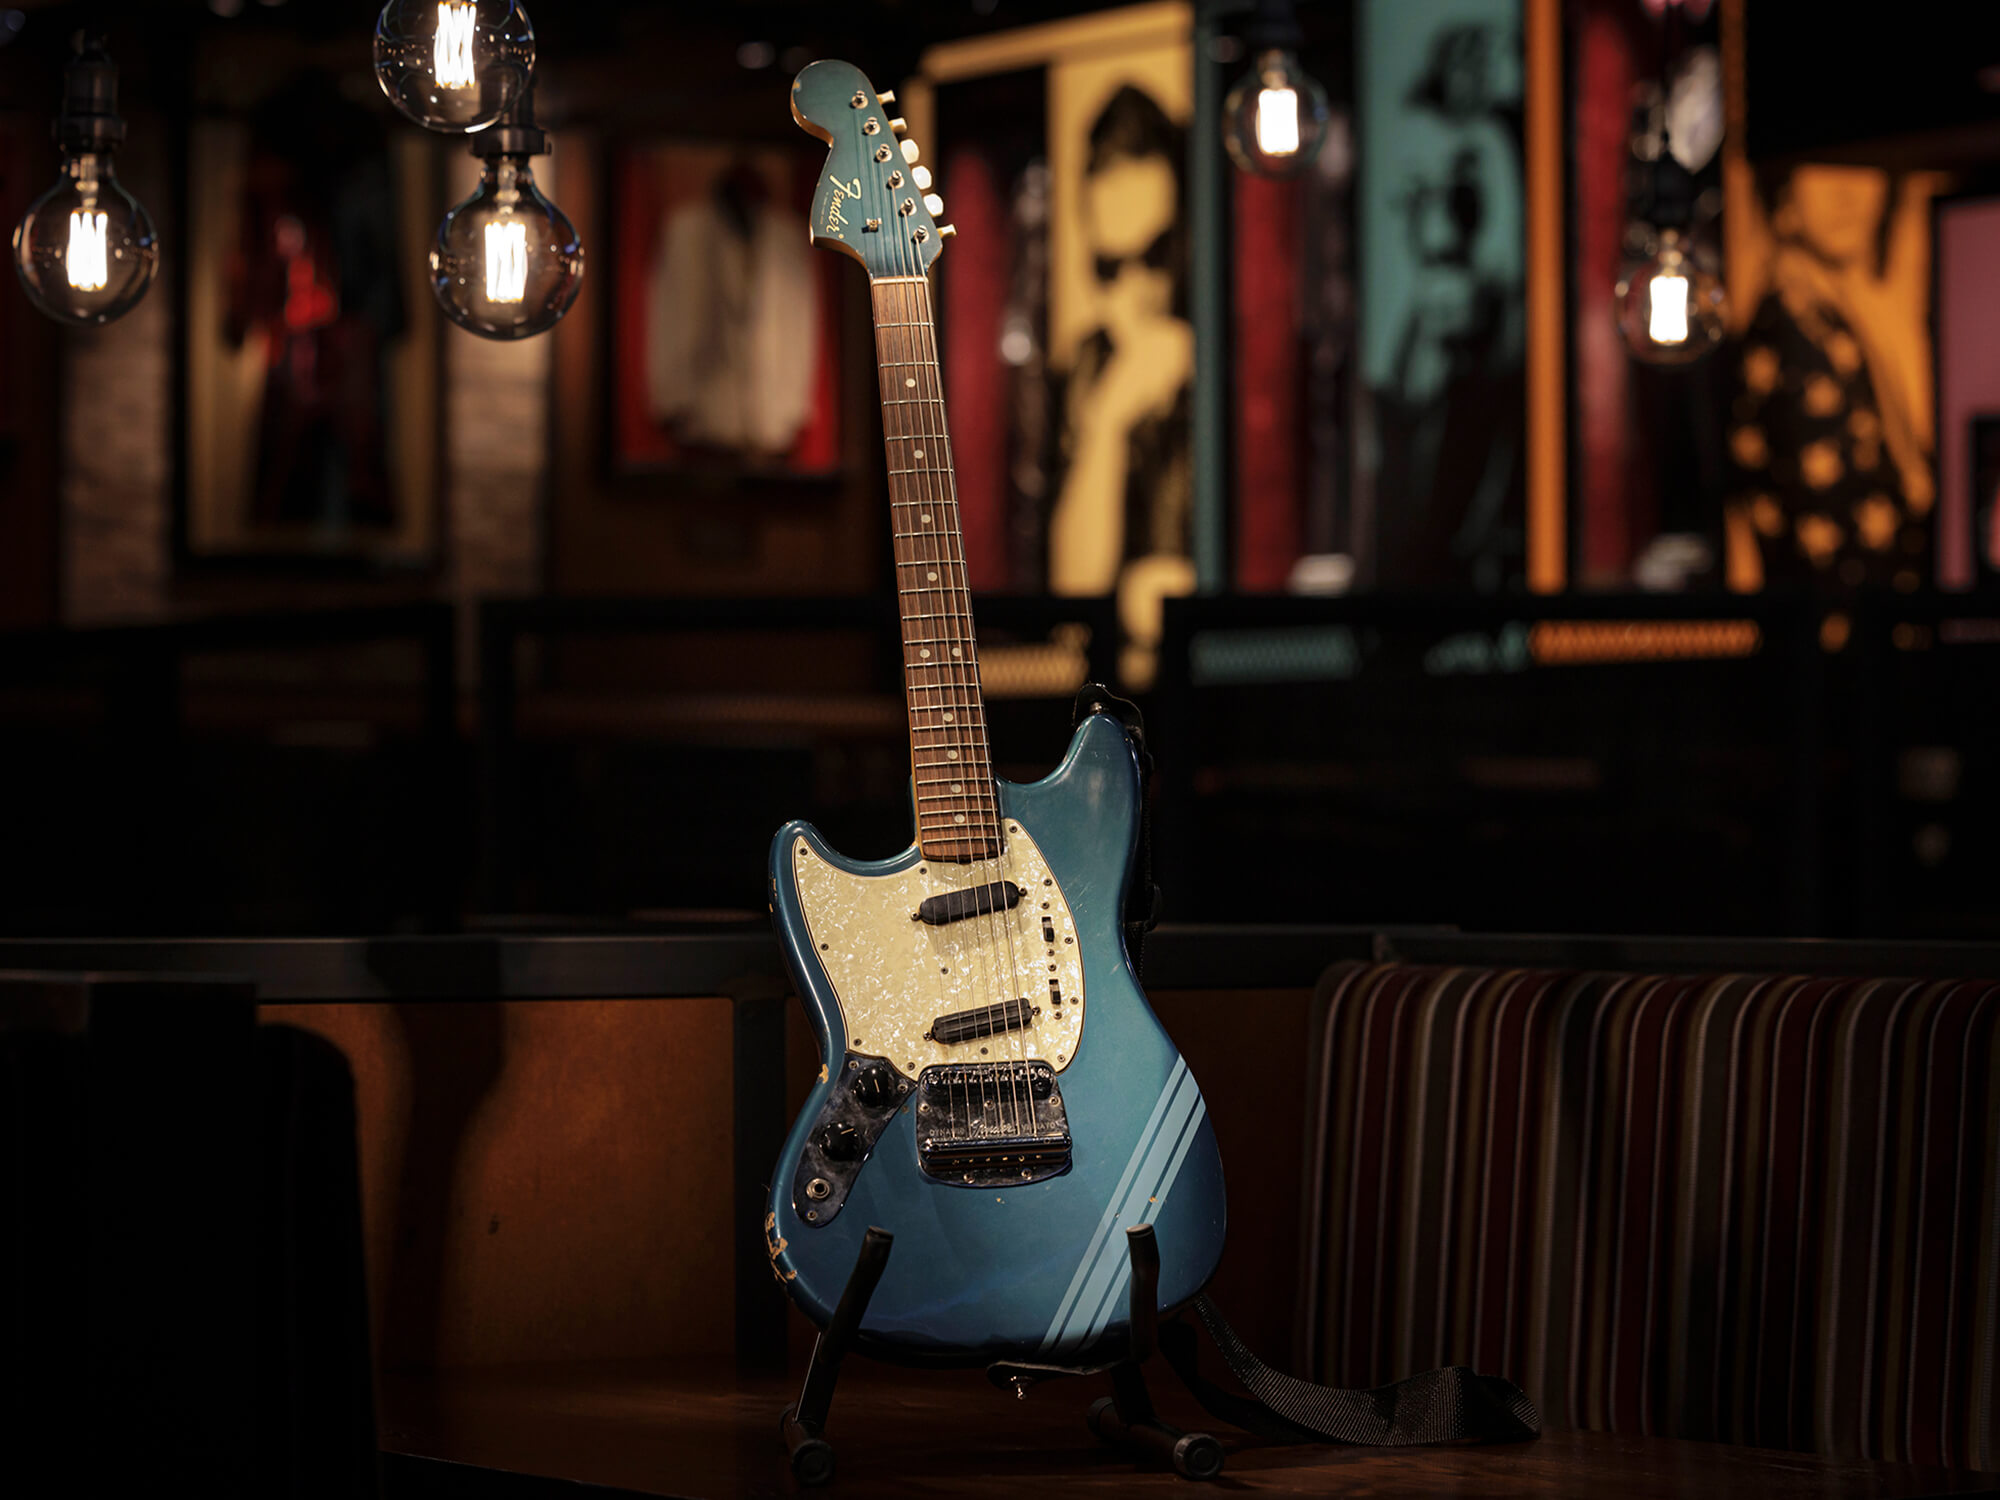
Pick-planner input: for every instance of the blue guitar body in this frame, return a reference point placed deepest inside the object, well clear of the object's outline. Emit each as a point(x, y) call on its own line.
point(1037, 1272)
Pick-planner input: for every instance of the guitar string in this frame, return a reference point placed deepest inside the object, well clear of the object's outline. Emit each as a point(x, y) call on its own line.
point(963, 737)
point(971, 736)
point(948, 687)
point(886, 345)
point(959, 737)
point(998, 915)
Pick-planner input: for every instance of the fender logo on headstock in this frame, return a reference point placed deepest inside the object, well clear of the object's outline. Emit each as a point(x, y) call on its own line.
point(842, 191)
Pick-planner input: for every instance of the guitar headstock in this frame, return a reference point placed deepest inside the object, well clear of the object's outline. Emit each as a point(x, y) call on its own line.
point(873, 199)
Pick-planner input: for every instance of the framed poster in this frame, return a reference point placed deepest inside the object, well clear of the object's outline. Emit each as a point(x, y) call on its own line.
point(312, 340)
point(725, 349)
point(1966, 235)
point(1064, 311)
point(1440, 485)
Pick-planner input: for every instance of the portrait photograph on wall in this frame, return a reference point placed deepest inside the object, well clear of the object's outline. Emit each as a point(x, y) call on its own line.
point(1440, 476)
point(1086, 158)
point(312, 337)
point(730, 357)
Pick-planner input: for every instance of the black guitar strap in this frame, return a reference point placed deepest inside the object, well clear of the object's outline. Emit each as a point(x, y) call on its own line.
point(1439, 1406)
point(1142, 903)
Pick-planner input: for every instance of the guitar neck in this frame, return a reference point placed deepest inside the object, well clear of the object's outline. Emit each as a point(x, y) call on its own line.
point(958, 818)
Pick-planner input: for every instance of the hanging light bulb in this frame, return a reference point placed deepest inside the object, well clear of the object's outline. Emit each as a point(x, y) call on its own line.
point(507, 263)
point(85, 250)
point(1670, 307)
point(454, 65)
point(1274, 121)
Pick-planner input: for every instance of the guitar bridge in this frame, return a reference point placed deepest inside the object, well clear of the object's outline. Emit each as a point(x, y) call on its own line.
point(990, 1124)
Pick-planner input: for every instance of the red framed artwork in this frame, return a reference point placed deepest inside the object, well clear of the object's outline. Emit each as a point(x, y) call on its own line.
point(725, 322)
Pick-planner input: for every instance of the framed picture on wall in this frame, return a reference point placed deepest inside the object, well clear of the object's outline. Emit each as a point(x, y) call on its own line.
point(1965, 244)
point(312, 351)
point(725, 350)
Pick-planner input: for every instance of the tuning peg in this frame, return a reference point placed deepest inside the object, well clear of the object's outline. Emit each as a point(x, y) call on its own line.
point(946, 231)
point(900, 125)
point(887, 97)
point(910, 152)
point(934, 203)
point(921, 176)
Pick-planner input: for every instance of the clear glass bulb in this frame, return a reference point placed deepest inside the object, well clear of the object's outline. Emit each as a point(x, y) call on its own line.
point(507, 263)
point(1274, 121)
point(86, 251)
point(453, 65)
point(1671, 308)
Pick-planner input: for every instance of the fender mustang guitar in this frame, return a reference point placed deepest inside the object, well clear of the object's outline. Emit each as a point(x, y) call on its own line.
point(996, 1091)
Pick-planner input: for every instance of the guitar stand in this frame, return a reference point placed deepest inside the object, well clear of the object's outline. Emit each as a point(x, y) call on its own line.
point(1126, 1418)
point(804, 1423)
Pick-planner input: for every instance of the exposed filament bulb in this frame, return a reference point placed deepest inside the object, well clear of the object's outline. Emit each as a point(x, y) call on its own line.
point(1278, 122)
point(88, 262)
point(506, 260)
point(451, 58)
point(1669, 317)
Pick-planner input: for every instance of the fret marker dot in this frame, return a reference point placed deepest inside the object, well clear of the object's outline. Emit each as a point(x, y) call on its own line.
point(958, 786)
point(927, 520)
point(958, 817)
point(951, 755)
point(956, 652)
point(947, 717)
point(925, 653)
point(909, 380)
point(931, 576)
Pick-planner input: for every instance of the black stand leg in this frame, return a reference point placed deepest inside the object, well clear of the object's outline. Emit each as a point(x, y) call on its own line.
point(803, 1424)
point(1126, 1417)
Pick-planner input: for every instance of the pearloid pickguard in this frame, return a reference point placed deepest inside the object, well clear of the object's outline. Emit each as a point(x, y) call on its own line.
point(893, 975)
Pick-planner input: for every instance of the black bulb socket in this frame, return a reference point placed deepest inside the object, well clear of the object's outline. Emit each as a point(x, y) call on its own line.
point(1673, 193)
point(90, 120)
point(1274, 26)
point(515, 132)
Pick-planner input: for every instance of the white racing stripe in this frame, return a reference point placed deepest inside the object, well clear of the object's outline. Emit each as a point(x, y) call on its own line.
point(1141, 1193)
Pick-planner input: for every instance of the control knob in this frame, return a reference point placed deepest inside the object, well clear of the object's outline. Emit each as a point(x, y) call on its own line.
point(874, 1085)
point(840, 1141)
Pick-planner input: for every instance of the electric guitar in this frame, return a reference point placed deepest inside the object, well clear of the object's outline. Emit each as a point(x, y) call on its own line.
point(996, 1091)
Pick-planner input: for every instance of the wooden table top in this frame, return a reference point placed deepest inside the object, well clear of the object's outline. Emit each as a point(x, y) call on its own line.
point(647, 1430)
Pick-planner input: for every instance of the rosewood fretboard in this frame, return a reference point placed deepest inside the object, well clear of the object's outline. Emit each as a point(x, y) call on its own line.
point(957, 817)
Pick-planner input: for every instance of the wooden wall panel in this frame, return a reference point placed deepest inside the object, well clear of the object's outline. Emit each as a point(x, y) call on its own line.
point(548, 1181)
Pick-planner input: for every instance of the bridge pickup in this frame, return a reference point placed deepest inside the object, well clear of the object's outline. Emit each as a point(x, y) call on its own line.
point(965, 1025)
point(986, 1124)
point(956, 906)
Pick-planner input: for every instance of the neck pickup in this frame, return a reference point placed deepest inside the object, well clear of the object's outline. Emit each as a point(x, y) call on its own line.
point(986, 1020)
point(956, 906)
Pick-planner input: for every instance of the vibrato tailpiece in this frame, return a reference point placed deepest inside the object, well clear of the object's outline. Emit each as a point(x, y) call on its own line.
point(988, 1124)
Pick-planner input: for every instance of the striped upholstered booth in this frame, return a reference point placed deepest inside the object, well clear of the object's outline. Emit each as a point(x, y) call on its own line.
point(1740, 1207)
